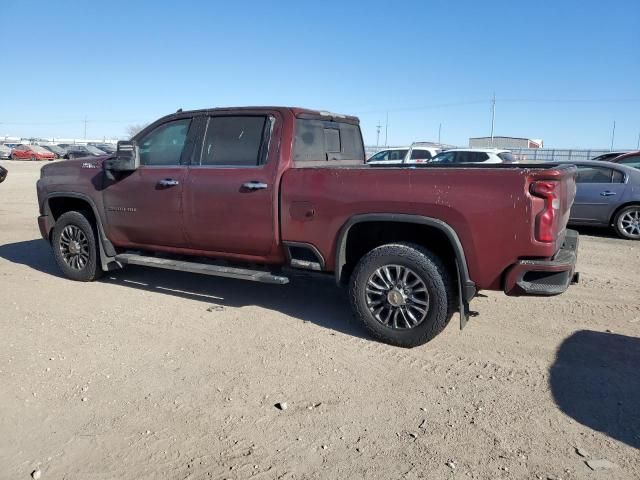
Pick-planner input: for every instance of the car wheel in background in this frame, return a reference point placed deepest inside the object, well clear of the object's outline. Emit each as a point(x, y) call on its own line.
point(403, 294)
point(75, 247)
point(627, 222)
point(33, 158)
point(13, 157)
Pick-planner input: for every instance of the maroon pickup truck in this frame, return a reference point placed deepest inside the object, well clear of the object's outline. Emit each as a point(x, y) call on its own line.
point(250, 193)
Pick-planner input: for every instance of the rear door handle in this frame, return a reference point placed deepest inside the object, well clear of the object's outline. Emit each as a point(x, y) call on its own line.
point(254, 185)
point(607, 193)
point(168, 182)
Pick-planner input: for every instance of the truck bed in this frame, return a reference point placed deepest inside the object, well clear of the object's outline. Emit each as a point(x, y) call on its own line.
point(482, 204)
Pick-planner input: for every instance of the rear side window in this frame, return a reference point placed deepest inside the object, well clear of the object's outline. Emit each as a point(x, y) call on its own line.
point(420, 154)
point(397, 154)
point(234, 141)
point(320, 140)
point(595, 175)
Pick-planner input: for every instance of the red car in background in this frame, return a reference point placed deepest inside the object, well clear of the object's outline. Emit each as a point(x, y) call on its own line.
point(31, 152)
point(630, 159)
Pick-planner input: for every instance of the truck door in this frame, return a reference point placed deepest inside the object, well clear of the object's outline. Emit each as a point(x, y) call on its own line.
point(599, 189)
point(231, 195)
point(145, 207)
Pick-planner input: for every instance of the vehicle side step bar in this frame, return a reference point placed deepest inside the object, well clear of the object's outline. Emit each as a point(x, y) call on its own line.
point(202, 268)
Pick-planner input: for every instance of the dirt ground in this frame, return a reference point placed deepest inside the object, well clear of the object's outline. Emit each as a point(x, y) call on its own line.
point(153, 374)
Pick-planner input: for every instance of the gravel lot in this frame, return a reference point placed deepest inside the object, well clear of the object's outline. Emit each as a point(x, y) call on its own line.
point(152, 374)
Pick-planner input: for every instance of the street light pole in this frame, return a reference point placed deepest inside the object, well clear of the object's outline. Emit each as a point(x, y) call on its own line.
point(439, 131)
point(493, 115)
point(613, 135)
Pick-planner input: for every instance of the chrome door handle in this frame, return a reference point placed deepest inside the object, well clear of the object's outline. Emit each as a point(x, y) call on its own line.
point(254, 185)
point(168, 182)
point(607, 193)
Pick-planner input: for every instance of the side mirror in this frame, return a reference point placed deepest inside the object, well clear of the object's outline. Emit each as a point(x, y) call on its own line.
point(126, 159)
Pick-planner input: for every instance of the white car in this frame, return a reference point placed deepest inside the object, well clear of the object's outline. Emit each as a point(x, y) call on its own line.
point(419, 154)
point(474, 155)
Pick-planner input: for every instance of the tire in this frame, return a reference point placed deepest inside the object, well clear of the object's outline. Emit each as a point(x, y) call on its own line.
point(78, 261)
point(424, 266)
point(13, 156)
point(627, 222)
point(33, 158)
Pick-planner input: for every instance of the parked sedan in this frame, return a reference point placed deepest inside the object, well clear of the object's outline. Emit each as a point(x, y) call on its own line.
point(608, 195)
point(79, 151)
point(3, 174)
point(31, 152)
point(5, 152)
point(59, 152)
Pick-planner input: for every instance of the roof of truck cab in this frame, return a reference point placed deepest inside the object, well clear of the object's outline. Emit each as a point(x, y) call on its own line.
point(297, 112)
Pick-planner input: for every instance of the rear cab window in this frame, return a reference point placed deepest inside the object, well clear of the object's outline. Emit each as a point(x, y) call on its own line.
point(319, 142)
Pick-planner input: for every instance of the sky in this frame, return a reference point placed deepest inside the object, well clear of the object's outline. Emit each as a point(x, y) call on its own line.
point(561, 70)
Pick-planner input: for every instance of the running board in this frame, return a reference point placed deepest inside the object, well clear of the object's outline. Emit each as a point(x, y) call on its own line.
point(202, 268)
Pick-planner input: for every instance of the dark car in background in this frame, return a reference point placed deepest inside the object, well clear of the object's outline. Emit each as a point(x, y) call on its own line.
point(79, 151)
point(608, 195)
point(59, 152)
point(105, 147)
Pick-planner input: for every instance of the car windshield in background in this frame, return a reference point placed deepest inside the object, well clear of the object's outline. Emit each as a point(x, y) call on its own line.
point(94, 150)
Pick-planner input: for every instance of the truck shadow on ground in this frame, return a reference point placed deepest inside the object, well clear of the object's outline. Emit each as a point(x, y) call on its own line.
point(595, 379)
point(309, 298)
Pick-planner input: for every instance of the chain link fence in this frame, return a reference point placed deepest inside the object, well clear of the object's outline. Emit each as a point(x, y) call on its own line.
point(554, 154)
point(533, 154)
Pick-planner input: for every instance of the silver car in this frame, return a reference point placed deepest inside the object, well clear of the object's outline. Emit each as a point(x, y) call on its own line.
point(5, 152)
point(608, 194)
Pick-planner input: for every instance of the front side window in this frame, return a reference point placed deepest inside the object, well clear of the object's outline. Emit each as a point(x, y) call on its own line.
point(444, 157)
point(163, 146)
point(235, 141)
point(506, 157)
point(594, 175)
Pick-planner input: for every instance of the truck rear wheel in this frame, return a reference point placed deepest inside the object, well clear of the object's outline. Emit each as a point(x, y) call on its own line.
point(75, 247)
point(403, 294)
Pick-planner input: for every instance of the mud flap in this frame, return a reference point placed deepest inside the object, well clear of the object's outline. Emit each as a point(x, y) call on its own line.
point(463, 305)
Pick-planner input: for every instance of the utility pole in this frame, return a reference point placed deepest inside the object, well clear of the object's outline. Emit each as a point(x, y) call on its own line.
point(613, 135)
point(378, 127)
point(439, 130)
point(493, 115)
point(386, 131)
point(85, 127)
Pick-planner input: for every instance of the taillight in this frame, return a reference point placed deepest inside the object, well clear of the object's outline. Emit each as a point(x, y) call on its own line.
point(545, 220)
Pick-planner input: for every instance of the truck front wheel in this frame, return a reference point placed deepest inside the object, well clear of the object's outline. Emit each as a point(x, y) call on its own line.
point(402, 293)
point(75, 247)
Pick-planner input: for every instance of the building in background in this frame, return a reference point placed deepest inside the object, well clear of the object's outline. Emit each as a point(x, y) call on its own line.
point(505, 142)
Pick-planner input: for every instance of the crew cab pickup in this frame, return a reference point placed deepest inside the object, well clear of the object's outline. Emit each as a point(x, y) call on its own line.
point(251, 193)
